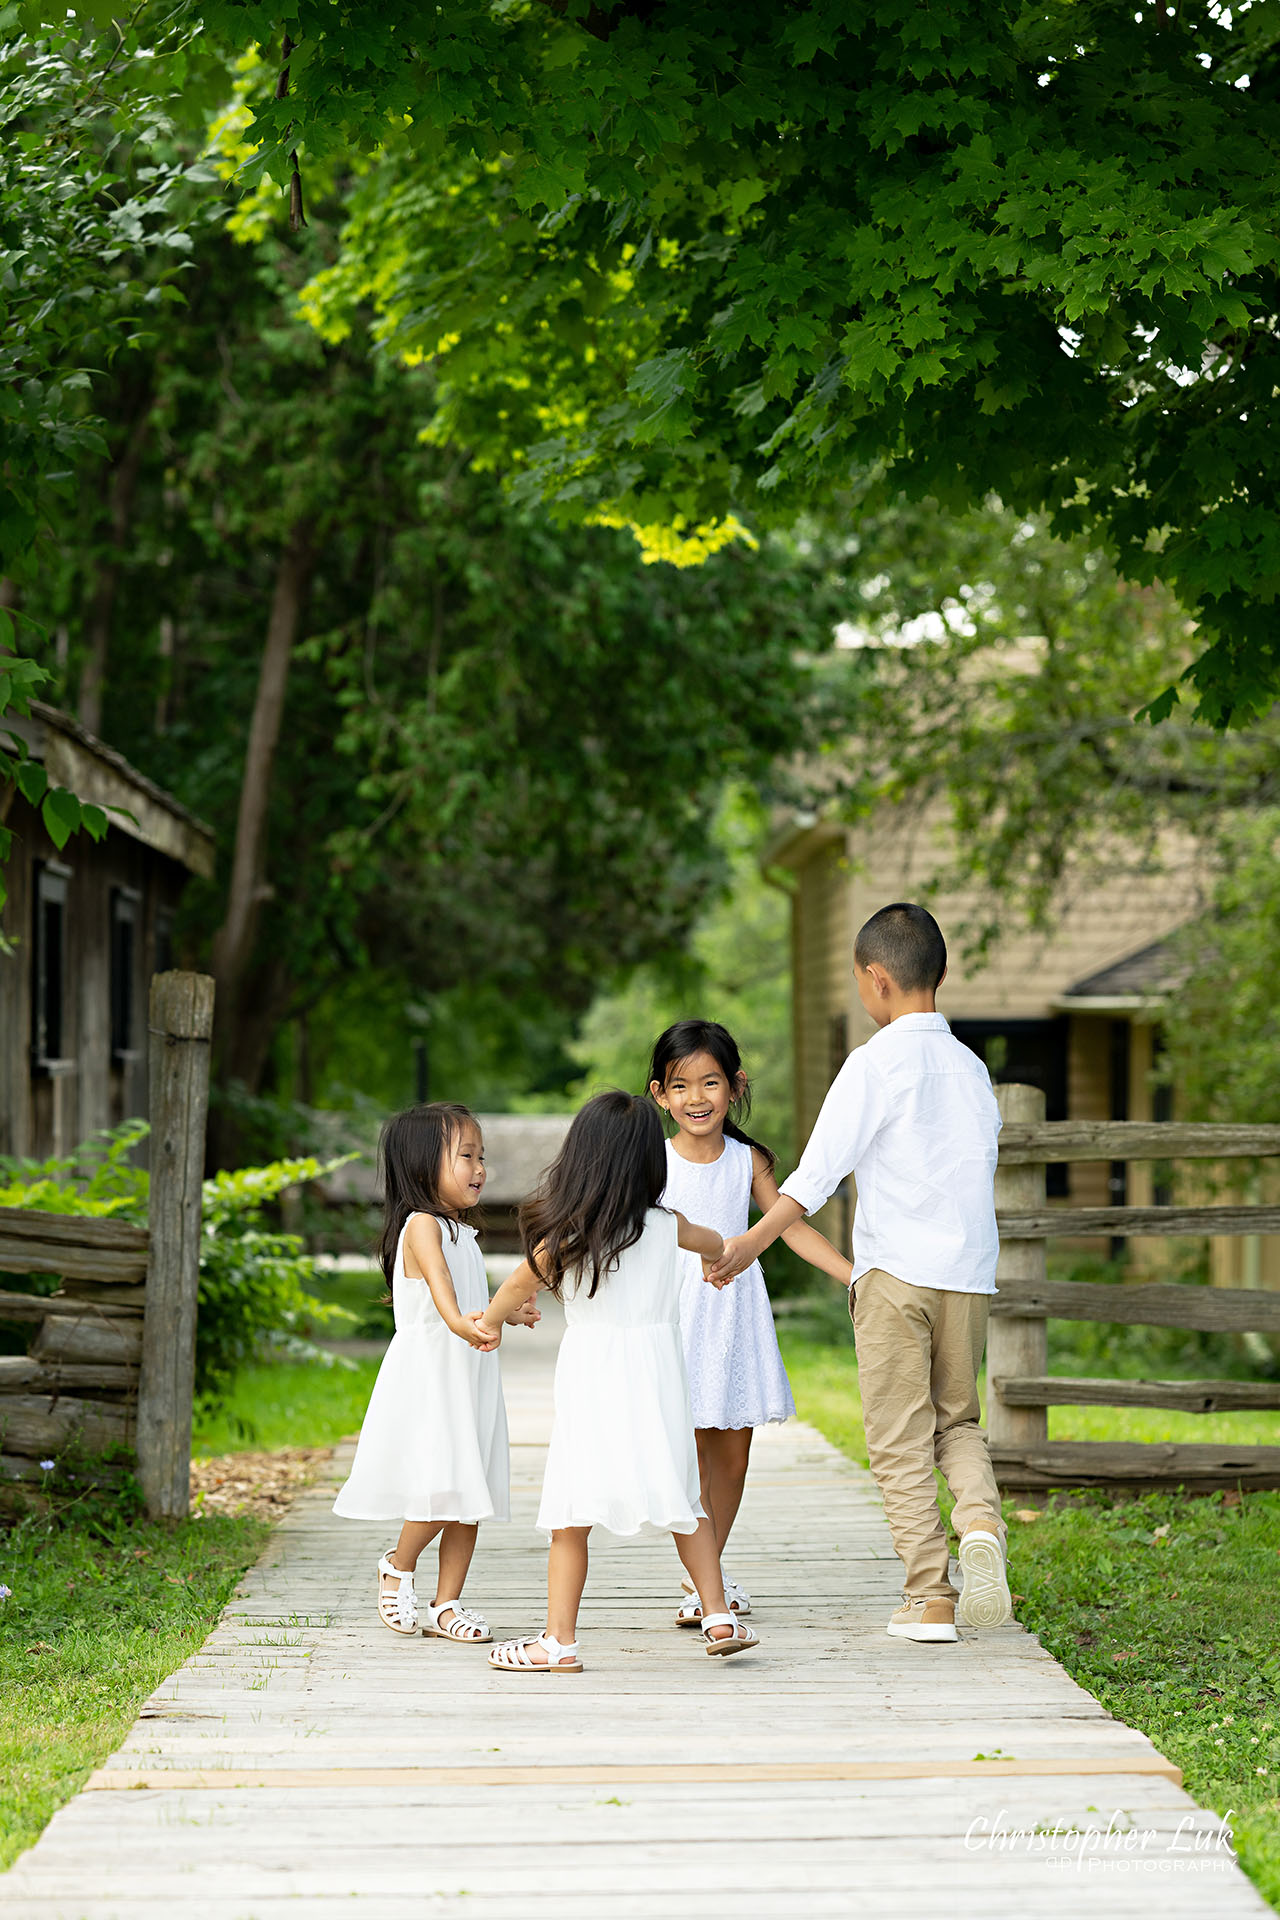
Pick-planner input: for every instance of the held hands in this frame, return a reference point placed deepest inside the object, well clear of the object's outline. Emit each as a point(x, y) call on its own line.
point(737, 1256)
point(525, 1315)
point(472, 1329)
point(710, 1266)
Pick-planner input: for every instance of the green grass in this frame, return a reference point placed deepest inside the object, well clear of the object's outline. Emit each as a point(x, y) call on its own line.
point(99, 1613)
point(287, 1406)
point(1166, 1608)
point(359, 1291)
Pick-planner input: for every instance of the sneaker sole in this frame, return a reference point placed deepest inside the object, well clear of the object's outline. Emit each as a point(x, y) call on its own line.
point(936, 1634)
point(985, 1600)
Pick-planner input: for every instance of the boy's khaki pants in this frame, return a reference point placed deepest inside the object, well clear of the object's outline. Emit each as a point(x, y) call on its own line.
point(919, 1350)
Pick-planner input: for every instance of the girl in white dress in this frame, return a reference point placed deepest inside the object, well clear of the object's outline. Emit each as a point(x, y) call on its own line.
point(622, 1454)
point(715, 1171)
point(433, 1448)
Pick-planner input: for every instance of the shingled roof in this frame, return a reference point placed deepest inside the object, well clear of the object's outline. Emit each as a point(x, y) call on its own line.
point(1145, 975)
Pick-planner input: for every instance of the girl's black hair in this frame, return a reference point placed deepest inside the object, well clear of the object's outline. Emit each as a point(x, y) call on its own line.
point(410, 1150)
point(592, 1201)
point(688, 1037)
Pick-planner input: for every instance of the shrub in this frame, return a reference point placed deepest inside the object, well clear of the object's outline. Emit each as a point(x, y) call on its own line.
point(253, 1279)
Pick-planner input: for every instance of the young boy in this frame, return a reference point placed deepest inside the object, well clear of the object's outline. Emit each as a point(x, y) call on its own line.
point(912, 1116)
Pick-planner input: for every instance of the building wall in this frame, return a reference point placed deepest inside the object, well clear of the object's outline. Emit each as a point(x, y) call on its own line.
point(827, 1017)
point(44, 1113)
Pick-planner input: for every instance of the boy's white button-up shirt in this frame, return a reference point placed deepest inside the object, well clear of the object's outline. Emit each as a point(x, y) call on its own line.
point(912, 1116)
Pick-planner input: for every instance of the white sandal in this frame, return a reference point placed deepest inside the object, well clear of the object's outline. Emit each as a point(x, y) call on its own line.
point(741, 1638)
point(512, 1656)
point(737, 1597)
point(466, 1623)
point(397, 1606)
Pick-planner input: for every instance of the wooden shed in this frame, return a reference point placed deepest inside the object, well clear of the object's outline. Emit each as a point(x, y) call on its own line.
point(1075, 1012)
point(85, 927)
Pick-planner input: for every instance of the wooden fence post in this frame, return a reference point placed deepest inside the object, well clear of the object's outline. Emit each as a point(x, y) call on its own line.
point(181, 1027)
point(1018, 1345)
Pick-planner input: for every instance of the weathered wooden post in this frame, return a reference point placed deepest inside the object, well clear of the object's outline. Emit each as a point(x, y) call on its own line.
point(181, 1028)
point(1017, 1344)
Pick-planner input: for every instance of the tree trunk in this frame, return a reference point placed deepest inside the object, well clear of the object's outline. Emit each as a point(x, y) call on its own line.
point(234, 941)
point(97, 626)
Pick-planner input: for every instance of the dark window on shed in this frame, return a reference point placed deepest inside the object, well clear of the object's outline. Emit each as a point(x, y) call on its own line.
point(49, 965)
point(124, 947)
point(1029, 1053)
point(164, 941)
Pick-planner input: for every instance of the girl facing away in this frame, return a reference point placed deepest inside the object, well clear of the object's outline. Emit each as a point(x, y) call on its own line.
point(622, 1453)
point(715, 1172)
point(433, 1448)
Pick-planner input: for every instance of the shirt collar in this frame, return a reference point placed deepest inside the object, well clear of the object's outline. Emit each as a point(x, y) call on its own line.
point(915, 1022)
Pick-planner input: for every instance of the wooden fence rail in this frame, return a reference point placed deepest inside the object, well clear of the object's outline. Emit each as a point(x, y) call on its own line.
point(1020, 1389)
point(113, 1359)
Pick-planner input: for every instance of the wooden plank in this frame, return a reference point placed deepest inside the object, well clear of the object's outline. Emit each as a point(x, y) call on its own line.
point(105, 1292)
point(1063, 1223)
point(28, 1370)
point(1054, 1140)
point(217, 1779)
point(1153, 1304)
point(39, 1424)
point(74, 1245)
point(41, 1306)
point(1193, 1465)
point(1018, 1344)
point(181, 1030)
point(90, 1340)
point(1185, 1396)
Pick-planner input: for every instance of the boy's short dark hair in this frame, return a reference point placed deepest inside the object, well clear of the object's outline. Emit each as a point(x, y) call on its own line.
point(907, 942)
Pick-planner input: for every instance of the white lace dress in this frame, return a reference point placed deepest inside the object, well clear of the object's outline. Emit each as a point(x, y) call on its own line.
point(736, 1375)
point(433, 1445)
point(622, 1452)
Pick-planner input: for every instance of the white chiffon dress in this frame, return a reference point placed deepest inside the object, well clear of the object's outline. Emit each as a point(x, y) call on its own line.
point(736, 1375)
point(434, 1441)
point(622, 1453)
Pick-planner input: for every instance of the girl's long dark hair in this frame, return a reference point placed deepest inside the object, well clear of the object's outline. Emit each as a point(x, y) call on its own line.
point(688, 1037)
point(410, 1150)
point(592, 1201)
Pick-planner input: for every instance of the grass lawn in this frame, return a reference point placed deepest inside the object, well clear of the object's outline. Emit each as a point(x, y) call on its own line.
point(1166, 1608)
point(287, 1406)
point(97, 1615)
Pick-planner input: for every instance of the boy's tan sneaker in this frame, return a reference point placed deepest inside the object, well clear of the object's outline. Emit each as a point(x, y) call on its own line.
point(924, 1620)
point(984, 1597)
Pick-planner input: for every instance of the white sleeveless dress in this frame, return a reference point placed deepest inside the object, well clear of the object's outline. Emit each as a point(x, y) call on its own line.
point(736, 1375)
point(434, 1441)
point(622, 1453)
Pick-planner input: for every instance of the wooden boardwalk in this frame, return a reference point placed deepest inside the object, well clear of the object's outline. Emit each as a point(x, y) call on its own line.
point(308, 1763)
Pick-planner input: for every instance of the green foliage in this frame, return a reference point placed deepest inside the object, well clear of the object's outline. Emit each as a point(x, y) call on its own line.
point(737, 970)
point(1222, 1025)
point(675, 265)
point(100, 1177)
point(504, 742)
point(89, 245)
point(253, 1278)
point(98, 1614)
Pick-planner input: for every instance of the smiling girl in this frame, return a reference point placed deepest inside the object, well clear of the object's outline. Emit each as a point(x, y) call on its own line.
point(715, 1173)
point(433, 1447)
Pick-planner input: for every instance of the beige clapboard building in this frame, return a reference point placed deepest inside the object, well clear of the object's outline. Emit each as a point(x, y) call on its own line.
point(1076, 1012)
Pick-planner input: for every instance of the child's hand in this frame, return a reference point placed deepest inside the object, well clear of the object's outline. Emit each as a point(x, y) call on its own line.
point(710, 1275)
point(526, 1315)
point(476, 1335)
point(737, 1256)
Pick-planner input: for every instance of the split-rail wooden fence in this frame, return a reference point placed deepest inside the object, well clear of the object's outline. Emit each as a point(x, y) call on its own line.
point(1020, 1389)
point(112, 1362)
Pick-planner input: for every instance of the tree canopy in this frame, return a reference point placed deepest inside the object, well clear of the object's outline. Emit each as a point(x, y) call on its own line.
point(679, 264)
